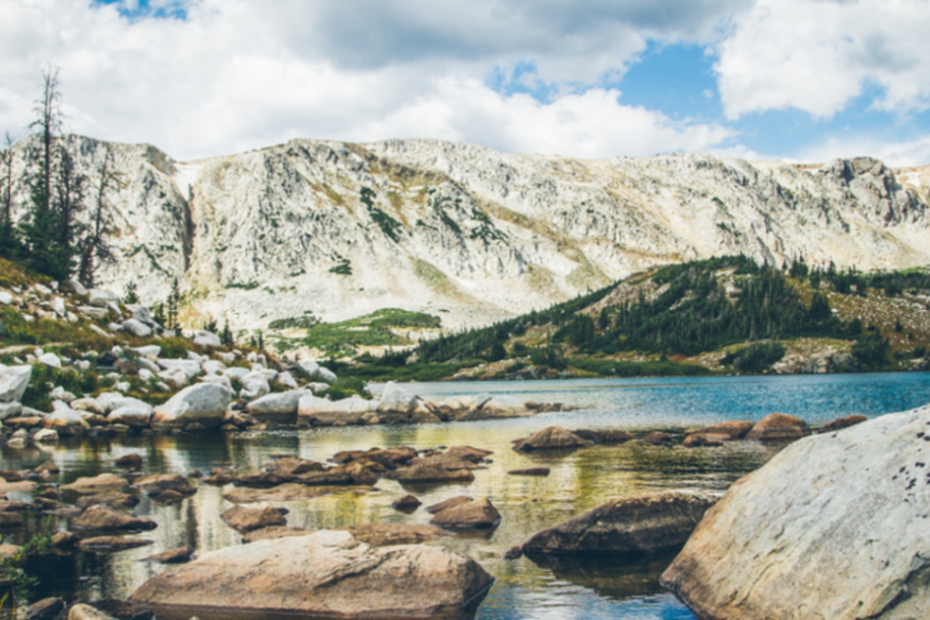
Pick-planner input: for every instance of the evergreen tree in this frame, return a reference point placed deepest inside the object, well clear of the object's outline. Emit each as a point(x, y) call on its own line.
point(10, 243)
point(131, 297)
point(174, 300)
point(94, 247)
point(226, 337)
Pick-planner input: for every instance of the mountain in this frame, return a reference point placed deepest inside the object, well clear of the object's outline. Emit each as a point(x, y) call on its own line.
point(332, 230)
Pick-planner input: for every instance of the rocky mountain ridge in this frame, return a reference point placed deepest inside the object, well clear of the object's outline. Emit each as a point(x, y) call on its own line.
point(336, 230)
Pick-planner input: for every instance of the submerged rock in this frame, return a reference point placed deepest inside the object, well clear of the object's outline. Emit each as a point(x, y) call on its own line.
point(385, 534)
point(327, 573)
point(290, 491)
point(530, 471)
point(113, 543)
point(647, 522)
point(834, 525)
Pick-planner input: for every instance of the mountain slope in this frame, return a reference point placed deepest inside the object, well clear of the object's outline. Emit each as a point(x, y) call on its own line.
point(467, 234)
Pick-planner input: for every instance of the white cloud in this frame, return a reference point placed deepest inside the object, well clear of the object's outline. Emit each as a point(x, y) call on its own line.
point(237, 75)
point(903, 153)
point(817, 55)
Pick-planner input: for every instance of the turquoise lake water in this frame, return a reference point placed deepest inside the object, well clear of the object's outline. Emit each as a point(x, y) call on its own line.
point(580, 480)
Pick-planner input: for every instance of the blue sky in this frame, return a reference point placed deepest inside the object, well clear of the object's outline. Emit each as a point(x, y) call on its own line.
point(803, 80)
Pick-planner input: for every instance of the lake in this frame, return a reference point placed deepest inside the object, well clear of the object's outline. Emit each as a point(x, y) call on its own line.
point(579, 480)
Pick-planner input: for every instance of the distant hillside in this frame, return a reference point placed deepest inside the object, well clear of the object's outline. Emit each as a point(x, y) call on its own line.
point(722, 315)
point(460, 232)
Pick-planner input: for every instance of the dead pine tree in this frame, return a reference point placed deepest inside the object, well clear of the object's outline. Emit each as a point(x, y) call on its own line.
point(94, 247)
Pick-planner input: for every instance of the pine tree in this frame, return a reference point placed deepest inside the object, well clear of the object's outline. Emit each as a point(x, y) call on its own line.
point(94, 247)
point(131, 297)
point(174, 300)
point(226, 337)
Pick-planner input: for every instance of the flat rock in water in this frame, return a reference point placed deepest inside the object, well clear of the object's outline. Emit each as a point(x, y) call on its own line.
point(605, 436)
point(113, 499)
point(733, 430)
point(657, 438)
point(436, 469)
point(697, 440)
point(477, 514)
point(841, 423)
point(102, 517)
point(171, 556)
point(467, 453)
point(452, 502)
point(327, 573)
point(834, 525)
point(273, 532)
point(81, 611)
point(96, 484)
point(291, 491)
point(779, 427)
point(384, 534)
point(10, 520)
point(549, 438)
point(112, 543)
point(131, 461)
point(648, 522)
point(407, 503)
point(159, 483)
point(45, 609)
point(245, 519)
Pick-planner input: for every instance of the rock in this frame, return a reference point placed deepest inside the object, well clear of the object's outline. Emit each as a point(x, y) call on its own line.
point(503, 407)
point(733, 430)
point(467, 453)
point(841, 423)
point(279, 408)
point(275, 532)
point(779, 427)
point(45, 609)
point(171, 556)
point(59, 393)
point(605, 436)
point(436, 469)
point(385, 534)
point(530, 471)
point(696, 440)
point(134, 416)
point(203, 403)
point(10, 410)
point(396, 398)
point(49, 359)
point(5, 298)
point(642, 523)
point(81, 611)
point(132, 460)
point(190, 368)
point(57, 305)
point(549, 438)
point(290, 491)
point(13, 382)
point(254, 385)
point(149, 351)
point(407, 503)
point(87, 404)
point(64, 540)
point(112, 543)
point(477, 514)
point(136, 328)
point(159, 483)
point(287, 380)
point(235, 372)
point(213, 367)
point(290, 466)
point(327, 573)
point(48, 467)
point(452, 502)
point(101, 517)
point(834, 525)
point(322, 412)
point(100, 298)
point(66, 421)
point(207, 339)
point(111, 499)
point(657, 438)
point(45, 436)
point(8, 551)
point(11, 520)
point(245, 519)
point(96, 484)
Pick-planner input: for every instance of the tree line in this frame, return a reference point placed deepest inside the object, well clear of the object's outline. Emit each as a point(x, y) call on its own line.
point(64, 231)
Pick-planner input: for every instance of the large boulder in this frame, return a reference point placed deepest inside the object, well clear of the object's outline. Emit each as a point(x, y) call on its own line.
point(396, 399)
point(642, 523)
point(203, 404)
point(65, 421)
point(13, 382)
point(207, 339)
point(254, 385)
point(549, 438)
point(834, 526)
point(317, 411)
point(136, 328)
point(326, 574)
point(136, 416)
point(280, 407)
point(779, 427)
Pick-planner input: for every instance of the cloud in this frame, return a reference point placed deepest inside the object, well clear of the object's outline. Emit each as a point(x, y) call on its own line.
point(893, 153)
point(817, 56)
point(212, 77)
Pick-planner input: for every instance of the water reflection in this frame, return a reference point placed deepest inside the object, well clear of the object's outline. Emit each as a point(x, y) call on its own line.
point(579, 480)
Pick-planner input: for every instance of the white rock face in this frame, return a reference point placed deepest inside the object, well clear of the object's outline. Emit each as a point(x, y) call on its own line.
point(396, 398)
point(203, 404)
point(13, 382)
point(276, 232)
point(100, 298)
point(320, 411)
point(279, 407)
point(834, 525)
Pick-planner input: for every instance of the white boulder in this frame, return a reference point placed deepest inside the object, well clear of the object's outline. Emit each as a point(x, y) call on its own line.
point(207, 339)
point(280, 407)
point(396, 398)
point(13, 382)
point(101, 298)
point(203, 404)
point(254, 385)
point(136, 328)
point(49, 359)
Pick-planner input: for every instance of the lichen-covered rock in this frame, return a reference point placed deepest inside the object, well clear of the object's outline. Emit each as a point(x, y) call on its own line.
point(834, 526)
point(327, 573)
point(648, 522)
